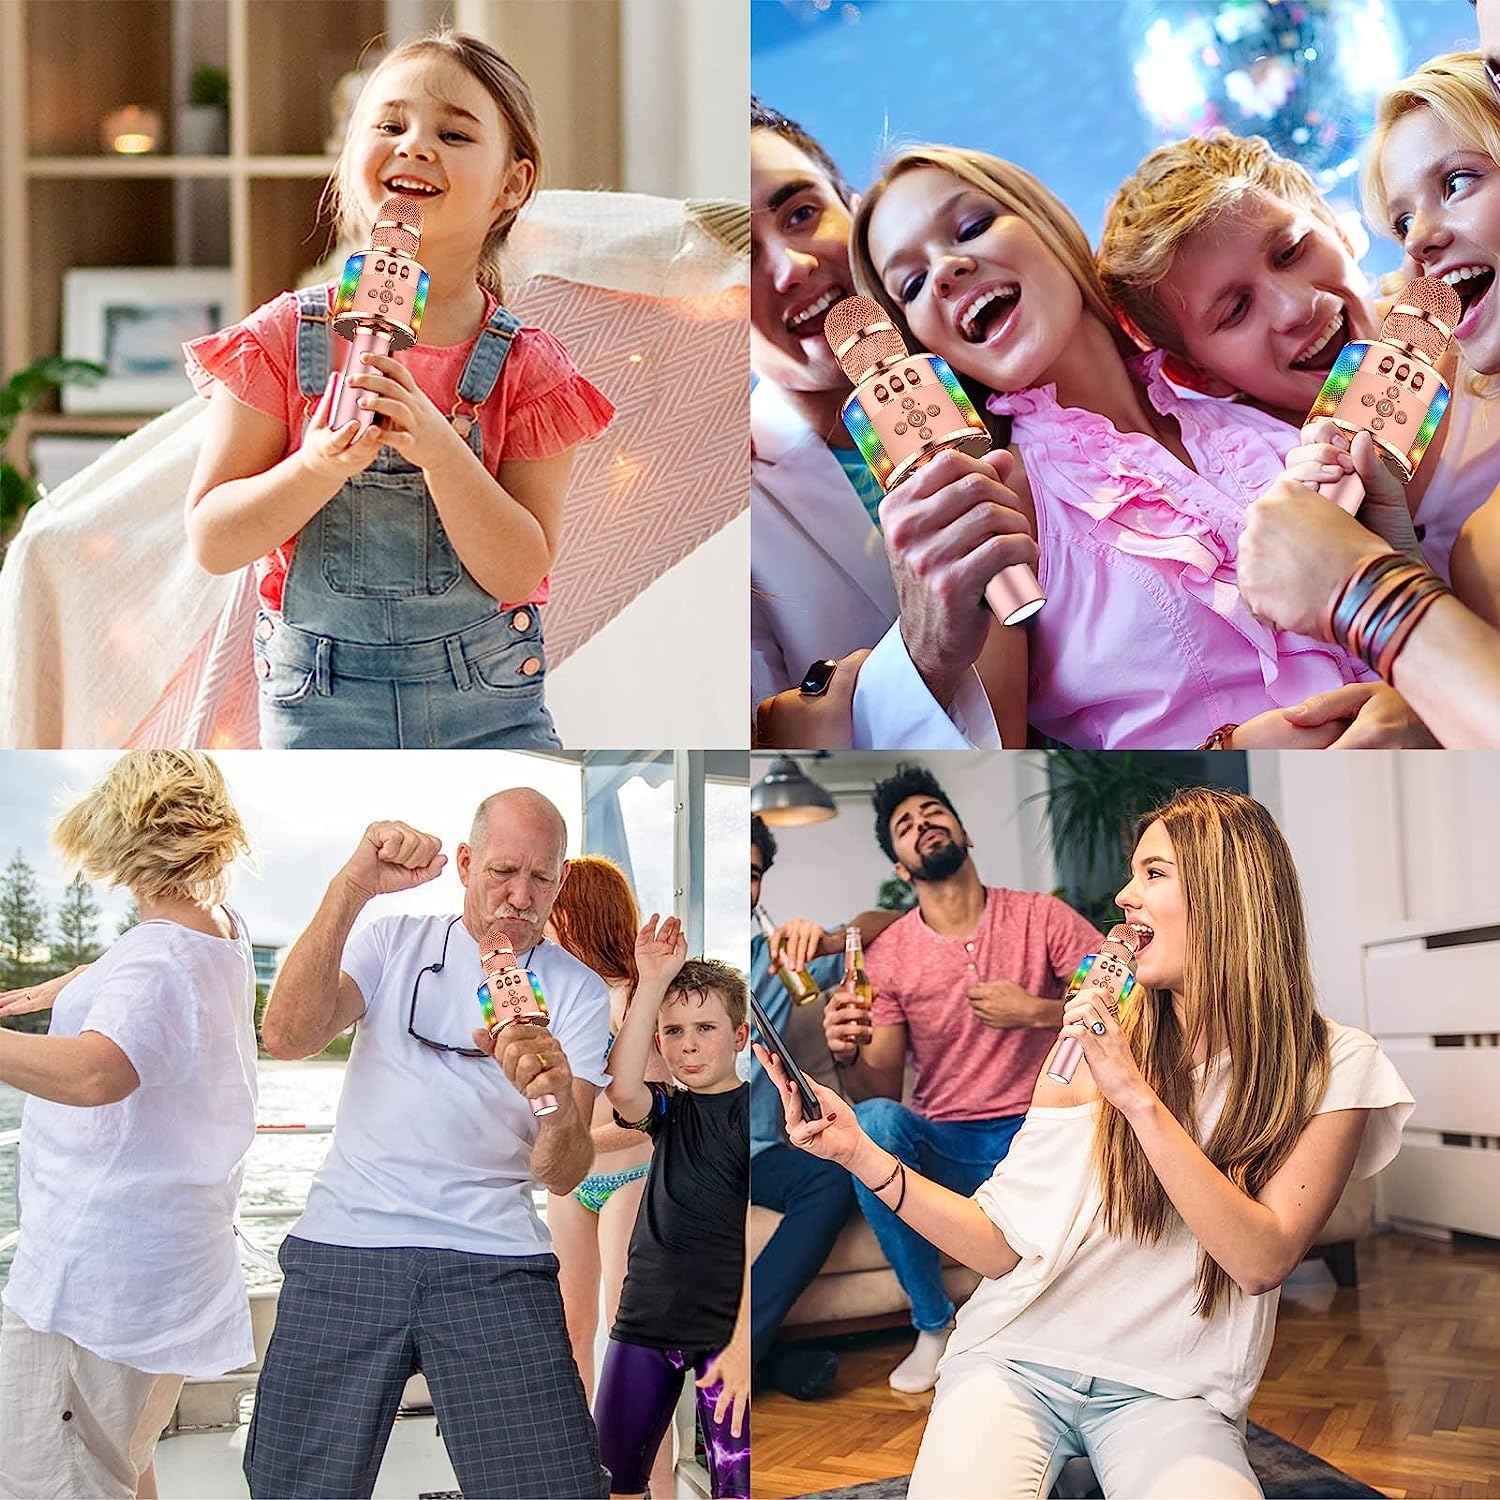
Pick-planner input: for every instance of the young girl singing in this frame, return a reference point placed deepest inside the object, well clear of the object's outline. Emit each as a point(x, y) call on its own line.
point(402, 569)
point(1137, 1232)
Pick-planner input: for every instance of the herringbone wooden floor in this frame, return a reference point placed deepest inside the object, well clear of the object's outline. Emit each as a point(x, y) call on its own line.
point(1396, 1383)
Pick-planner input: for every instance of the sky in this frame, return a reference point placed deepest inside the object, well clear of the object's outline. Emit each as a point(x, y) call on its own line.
point(304, 811)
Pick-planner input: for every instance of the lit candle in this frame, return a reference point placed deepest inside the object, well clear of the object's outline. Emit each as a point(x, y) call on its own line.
point(131, 131)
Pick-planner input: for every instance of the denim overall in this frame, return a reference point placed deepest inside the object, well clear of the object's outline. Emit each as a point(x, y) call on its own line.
point(384, 640)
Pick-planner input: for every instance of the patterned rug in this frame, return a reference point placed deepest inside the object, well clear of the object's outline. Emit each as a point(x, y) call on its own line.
point(1285, 1471)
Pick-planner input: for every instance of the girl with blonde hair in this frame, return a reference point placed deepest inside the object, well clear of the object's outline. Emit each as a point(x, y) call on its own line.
point(142, 1106)
point(1136, 494)
point(402, 567)
point(1432, 178)
point(1134, 1238)
point(595, 918)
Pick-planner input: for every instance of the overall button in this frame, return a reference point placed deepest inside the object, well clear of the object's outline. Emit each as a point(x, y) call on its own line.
point(521, 620)
point(531, 666)
point(264, 629)
point(262, 667)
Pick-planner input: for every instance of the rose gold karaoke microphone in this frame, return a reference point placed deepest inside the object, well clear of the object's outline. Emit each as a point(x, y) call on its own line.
point(1390, 387)
point(905, 410)
point(1111, 971)
point(379, 303)
point(508, 995)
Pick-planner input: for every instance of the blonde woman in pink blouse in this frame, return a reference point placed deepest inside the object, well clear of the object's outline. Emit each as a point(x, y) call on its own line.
point(1137, 493)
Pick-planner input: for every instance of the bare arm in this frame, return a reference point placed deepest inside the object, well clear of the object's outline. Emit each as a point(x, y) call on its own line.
point(658, 957)
point(1475, 562)
point(88, 1069)
point(1449, 671)
point(879, 1067)
point(249, 495)
point(506, 530)
point(313, 1000)
point(1259, 1240)
point(955, 1224)
point(563, 1152)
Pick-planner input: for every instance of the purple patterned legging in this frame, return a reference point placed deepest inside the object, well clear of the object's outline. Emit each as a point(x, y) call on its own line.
point(638, 1390)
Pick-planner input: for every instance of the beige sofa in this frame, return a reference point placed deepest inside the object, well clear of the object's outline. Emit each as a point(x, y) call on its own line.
point(857, 1290)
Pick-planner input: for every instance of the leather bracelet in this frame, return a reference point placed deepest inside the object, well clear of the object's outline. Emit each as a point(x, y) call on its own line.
point(1220, 738)
point(889, 1180)
point(1383, 595)
point(1378, 634)
point(1348, 599)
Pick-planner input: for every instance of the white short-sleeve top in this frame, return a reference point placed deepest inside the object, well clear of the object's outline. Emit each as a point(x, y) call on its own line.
point(127, 1209)
point(1087, 1300)
point(433, 1149)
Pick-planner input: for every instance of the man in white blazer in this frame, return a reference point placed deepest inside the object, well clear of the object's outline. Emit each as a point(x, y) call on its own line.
point(821, 584)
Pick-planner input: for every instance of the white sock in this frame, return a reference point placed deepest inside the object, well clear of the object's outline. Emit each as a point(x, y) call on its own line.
point(918, 1371)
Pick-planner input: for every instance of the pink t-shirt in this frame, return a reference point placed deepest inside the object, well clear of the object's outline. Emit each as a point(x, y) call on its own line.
point(541, 405)
point(964, 1069)
point(1145, 641)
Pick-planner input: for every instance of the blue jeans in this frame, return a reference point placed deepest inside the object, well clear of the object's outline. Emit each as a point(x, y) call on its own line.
point(814, 1200)
point(959, 1154)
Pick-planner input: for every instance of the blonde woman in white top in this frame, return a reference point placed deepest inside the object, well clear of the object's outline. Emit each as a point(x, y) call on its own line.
point(141, 1109)
point(1135, 1236)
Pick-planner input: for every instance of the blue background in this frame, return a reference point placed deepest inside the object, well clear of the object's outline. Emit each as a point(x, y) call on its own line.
point(1048, 84)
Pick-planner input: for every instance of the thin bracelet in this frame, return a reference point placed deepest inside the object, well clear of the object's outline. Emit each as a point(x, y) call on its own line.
point(889, 1180)
point(901, 1196)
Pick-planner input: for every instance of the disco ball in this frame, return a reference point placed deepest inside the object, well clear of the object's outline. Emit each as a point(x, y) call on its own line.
point(1305, 74)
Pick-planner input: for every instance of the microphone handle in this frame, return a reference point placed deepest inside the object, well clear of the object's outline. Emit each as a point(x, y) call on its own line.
point(1065, 1064)
point(1347, 493)
point(543, 1104)
point(372, 338)
point(1014, 594)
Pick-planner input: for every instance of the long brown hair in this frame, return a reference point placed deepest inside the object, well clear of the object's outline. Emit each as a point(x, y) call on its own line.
point(1249, 991)
point(517, 109)
point(596, 917)
point(1017, 192)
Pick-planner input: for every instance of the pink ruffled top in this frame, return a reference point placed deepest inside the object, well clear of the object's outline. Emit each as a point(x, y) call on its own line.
point(541, 405)
point(1144, 641)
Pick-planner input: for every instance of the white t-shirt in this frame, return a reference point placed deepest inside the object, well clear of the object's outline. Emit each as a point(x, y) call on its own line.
point(127, 1210)
point(1087, 1300)
point(432, 1148)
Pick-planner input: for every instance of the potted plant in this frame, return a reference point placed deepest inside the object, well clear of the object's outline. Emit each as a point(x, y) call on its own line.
point(17, 491)
point(203, 122)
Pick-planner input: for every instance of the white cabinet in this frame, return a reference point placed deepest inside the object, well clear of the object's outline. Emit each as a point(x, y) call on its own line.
point(1433, 1000)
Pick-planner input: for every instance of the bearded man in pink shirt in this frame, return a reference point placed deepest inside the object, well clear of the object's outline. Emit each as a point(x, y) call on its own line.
point(968, 988)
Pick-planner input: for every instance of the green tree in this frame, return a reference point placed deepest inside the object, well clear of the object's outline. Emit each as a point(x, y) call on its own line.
point(131, 918)
point(23, 922)
point(77, 927)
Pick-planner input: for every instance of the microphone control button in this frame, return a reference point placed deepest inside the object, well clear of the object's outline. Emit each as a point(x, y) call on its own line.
point(881, 394)
point(1386, 365)
point(925, 434)
point(1417, 381)
point(896, 383)
point(1394, 392)
point(1377, 423)
point(907, 402)
point(1384, 408)
point(1367, 399)
point(934, 411)
point(912, 378)
point(900, 429)
point(1402, 371)
point(1400, 416)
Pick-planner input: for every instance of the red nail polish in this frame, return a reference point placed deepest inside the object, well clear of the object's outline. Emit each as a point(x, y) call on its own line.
point(831, 1117)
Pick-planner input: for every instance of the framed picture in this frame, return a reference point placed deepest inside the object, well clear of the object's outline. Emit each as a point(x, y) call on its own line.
point(134, 322)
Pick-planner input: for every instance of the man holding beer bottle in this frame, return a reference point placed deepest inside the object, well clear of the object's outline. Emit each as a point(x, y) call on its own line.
point(969, 985)
point(790, 966)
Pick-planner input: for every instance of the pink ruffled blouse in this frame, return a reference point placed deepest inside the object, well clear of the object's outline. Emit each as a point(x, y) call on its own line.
point(1144, 641)
point(541, 405)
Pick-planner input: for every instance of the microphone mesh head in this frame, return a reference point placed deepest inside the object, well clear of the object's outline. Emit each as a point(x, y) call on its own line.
point(855, 318)
point(398, 227)
point(1429, 330)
